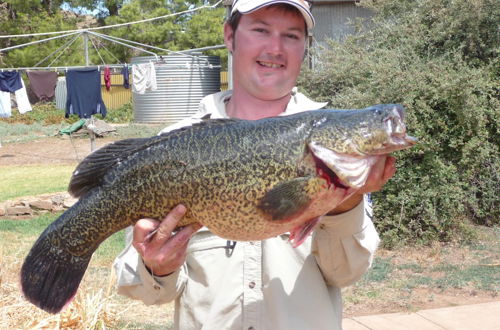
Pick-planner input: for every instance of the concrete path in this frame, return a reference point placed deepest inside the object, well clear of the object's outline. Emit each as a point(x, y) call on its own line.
point(484, 316)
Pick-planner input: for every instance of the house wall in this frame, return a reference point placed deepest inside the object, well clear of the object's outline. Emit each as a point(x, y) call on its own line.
point(332, 20)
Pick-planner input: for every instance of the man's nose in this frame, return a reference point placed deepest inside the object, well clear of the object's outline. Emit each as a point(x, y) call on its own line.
point(275, 45)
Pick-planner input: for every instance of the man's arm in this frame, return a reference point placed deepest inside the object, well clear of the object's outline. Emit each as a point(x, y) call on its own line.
point(346, 240)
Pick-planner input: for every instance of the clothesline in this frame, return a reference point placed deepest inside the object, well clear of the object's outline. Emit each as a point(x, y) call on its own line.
point(101, 66)
point(65, 68)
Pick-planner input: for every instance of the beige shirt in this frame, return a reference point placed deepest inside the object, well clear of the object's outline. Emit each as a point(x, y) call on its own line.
point(264, 284)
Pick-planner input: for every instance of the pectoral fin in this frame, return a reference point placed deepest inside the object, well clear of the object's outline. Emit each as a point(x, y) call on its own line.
point(290, 198)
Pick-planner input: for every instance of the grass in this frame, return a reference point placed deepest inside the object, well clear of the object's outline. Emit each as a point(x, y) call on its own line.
point(441, 275)
point(96, 305)
point(18, 181)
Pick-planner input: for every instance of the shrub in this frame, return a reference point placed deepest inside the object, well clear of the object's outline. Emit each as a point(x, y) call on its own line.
point(442, 66)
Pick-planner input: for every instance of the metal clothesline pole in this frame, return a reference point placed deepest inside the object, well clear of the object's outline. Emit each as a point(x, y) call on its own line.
point(62, 68)
point(123, 44)
point(37, 41)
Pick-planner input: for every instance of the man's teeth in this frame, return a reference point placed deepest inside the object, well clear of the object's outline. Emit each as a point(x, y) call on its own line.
point(270, 65)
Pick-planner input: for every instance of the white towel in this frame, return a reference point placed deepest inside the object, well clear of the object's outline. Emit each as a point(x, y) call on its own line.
point(23, 103)
point(5, 105)
point(143, 77)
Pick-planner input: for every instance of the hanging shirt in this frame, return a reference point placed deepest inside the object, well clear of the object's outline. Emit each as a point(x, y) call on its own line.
point(43, 84)
point(107, 78)
point(84, 96)
point(10, 81)
point(125, 74)
point(143, 77)
point(23, 104)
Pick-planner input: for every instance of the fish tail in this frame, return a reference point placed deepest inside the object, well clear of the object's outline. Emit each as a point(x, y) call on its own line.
point(50, 274)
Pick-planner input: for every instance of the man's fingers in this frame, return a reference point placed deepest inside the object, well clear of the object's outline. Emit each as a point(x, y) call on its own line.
point(143, 227)
point(181, 238)
point(168, 224)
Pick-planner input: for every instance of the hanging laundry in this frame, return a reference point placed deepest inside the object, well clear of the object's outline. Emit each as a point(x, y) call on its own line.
point(5, 105)
point(10, 81)
point(84, 96)
point(143, 77)
point(61, 93)
point(23, 104)
point(107, 78)
point(125, 74)
point(43, 84)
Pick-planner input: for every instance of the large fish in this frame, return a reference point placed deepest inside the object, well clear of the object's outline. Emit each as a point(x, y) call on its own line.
point(244, 180)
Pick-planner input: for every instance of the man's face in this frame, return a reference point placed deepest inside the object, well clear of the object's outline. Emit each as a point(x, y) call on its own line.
point(268, 48)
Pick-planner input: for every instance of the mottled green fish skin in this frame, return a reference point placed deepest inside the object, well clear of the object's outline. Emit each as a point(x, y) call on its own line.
point(220, 170)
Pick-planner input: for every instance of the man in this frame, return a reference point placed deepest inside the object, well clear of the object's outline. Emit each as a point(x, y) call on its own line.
point(219, 284)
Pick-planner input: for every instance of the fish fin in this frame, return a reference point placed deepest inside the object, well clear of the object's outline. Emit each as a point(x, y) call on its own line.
point(352, 170)
point(50, 276)
point(289, 198)
point(201, 123)
point(90, 172)
point(299, 234)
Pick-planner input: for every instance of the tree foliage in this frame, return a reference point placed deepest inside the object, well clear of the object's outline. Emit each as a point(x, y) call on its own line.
point(179, 32)
point(439, 58)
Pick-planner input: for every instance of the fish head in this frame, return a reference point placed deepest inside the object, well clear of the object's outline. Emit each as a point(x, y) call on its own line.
point(350, 142)
point(377, 130)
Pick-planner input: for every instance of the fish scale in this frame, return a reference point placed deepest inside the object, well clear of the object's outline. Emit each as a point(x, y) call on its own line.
point(244, 180)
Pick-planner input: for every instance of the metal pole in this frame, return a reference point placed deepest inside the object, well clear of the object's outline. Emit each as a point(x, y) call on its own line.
point(228, 4)
point(36, 42)
point(86, 47)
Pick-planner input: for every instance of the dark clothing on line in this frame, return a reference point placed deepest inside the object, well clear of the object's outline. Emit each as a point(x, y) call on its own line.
point(43, 84)
point(84, 93)
point(10, 81)
point(125, 74)
point(107, 78)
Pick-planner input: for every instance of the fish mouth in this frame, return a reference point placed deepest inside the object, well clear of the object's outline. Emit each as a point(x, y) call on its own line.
point(327, 173)
point(396, 130)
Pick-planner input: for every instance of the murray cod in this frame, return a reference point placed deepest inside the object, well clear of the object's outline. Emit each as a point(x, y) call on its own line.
point(242, 179)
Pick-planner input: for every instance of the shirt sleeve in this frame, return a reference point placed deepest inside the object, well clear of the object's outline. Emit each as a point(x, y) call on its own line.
point(344, 245)
point(134, 280)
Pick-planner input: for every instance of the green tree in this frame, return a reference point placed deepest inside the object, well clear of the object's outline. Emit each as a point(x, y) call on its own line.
point(439, 58)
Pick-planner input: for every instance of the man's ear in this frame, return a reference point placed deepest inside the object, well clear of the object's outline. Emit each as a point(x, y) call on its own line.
point(228, 37)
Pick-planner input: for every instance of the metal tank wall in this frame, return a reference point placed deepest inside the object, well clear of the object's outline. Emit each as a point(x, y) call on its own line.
point(182, 81)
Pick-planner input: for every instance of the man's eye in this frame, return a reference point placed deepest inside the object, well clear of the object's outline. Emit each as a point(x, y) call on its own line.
point(293, 36)
point(260, 30)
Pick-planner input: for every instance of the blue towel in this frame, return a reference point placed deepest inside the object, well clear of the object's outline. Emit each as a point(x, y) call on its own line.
point(10, 81)
point(84, 93)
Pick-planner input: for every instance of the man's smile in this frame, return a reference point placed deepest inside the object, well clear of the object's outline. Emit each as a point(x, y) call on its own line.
point(270, 64)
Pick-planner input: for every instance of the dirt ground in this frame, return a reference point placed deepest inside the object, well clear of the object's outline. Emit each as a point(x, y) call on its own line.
point(51, 150)
point(373, 298)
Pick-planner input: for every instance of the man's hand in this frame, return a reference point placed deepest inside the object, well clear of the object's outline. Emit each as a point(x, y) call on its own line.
point(162, 252)
point(380, 173)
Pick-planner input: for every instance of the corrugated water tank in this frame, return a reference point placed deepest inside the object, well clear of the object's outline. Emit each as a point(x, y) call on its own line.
point(182, 81)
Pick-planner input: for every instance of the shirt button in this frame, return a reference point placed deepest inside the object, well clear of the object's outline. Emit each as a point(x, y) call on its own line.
point(157, 287)
point(251, 285)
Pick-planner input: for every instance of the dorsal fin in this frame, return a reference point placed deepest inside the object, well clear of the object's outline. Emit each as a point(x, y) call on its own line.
point(90, 172)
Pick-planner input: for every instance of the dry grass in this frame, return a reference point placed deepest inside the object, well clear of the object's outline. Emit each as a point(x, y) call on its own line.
point(91, 308)
point(96, 305)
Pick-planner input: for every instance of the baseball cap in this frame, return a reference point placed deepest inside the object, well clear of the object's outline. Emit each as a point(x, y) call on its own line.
point(248, 6)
